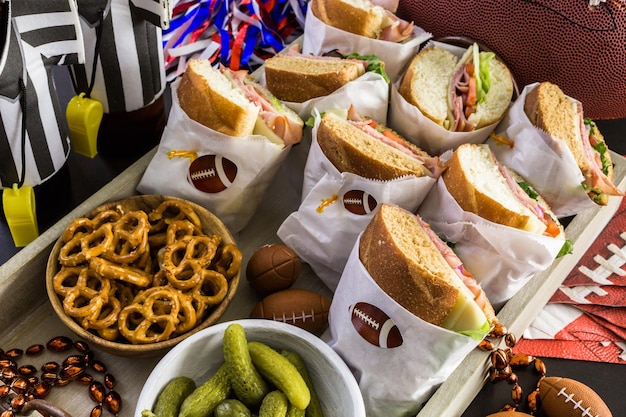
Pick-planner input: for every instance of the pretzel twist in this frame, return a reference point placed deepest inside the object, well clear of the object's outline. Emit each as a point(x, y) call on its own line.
point(229, 260)
point(83, 247)
point(170, 211)
point(153, 324)
point(212, 289)
point(85, 225)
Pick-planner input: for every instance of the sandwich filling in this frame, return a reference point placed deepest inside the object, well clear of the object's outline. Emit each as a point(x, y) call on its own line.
point(286, 128)
point(468, 87)
point(390, 138)
point(597, 181)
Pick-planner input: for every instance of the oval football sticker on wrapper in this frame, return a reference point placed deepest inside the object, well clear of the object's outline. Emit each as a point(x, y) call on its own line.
point(359, 202)
point(375, 326)
point(212, 173)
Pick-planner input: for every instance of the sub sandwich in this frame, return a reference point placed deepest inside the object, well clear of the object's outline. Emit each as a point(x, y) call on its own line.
point(362, 146)
point(418, 270)
point(364, 18)
point(233, 103)
point(549, 109)
point(461, 95)
point(483, 186)
point(296, 77)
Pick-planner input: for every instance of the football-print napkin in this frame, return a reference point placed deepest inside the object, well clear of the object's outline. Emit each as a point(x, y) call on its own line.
point(586, 317)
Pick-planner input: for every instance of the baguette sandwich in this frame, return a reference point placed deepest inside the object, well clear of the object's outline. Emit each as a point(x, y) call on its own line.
point(233, 103)
point(549, 109)
point(296, 77)
point(460, 95)
point(364, 147)
point(481, 185)
point(363, 18)
point(418, 270)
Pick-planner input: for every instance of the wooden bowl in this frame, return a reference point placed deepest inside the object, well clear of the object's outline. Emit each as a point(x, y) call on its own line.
point(211, 225)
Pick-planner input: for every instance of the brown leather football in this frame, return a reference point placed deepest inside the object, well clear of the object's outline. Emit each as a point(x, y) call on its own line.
point(568, 42)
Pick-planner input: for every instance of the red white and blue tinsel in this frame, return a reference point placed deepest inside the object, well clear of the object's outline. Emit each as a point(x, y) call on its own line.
point(239, 34)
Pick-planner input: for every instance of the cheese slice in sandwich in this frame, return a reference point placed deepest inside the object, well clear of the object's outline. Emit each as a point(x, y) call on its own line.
point(549, 109)
point(364, 147)
point(420, 272)
point(483, 186)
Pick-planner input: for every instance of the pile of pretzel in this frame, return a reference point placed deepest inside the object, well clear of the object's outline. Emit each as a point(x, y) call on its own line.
point(143, 276)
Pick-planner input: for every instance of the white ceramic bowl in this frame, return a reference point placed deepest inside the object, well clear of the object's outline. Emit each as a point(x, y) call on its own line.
point(199, 356)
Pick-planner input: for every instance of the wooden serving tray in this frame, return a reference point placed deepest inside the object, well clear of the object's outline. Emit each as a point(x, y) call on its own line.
point(26, 316)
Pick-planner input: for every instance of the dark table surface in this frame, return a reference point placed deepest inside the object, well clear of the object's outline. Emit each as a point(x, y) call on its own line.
point(86, 176)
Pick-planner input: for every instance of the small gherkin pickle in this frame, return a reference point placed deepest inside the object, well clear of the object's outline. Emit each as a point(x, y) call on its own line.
point(293, 411)
point(275, 404)
point(204, 399)
point(315, 408)
point(248, 385)
point(172, 396)
point(232, 407)
point(281, 373)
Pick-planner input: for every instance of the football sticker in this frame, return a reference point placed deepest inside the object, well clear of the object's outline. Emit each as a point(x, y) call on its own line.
point(375, 326)
point(359, 202)
point(212, 173)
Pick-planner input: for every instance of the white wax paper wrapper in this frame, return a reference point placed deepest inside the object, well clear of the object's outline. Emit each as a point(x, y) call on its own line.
point(320, 38)
point(501, 258)
point(324, 228)
point(544, 161)
point(255, 157)
point(369, 94)
point(336, 207)
point(395, 381)
point(411, 123)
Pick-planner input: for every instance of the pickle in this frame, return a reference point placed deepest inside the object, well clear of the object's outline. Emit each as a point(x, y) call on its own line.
point(315, 408)
point(280, 372)
point(293, 411)
point(248, 385)
point(232, 407)
point(204, 399)
point(172, 396)
point(275, 404)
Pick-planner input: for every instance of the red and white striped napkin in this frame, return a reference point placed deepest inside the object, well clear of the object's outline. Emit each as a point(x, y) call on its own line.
point(586, 317)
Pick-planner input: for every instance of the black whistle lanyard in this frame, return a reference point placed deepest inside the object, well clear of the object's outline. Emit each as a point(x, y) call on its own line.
point(96, 56)
point(22, 177)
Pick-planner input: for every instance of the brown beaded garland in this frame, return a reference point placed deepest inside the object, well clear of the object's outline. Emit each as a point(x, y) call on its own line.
point(22, 385)
point(503, 364)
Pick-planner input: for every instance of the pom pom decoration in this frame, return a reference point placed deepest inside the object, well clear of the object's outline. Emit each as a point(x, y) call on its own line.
point(238, 34)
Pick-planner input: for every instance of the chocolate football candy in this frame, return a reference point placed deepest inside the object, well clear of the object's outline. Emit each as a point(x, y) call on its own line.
point(564, 397)
point(303, 308)
point(272, 268)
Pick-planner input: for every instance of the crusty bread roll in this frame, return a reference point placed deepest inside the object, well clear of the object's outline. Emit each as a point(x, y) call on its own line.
point(407, 265)
point(427, 84)
point(475, 180)
point(208, 97)
point(549, 109)
point(352, 150)
point(298, 79)
point(360, 17)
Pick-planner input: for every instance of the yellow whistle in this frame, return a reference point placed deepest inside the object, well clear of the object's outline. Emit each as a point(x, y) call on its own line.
point(19, 210)
point(83, 118)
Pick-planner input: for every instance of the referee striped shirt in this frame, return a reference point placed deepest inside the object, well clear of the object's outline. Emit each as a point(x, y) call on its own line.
point(34, 36)
point(130, 71)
